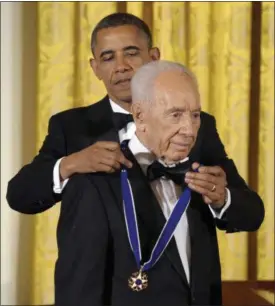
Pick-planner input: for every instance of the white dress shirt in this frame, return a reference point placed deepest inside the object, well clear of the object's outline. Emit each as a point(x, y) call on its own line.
point(167, 194)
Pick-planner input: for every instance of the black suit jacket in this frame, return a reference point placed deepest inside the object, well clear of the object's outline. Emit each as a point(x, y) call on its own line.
point(89, 230)
point(95, 259)
point(30, 191)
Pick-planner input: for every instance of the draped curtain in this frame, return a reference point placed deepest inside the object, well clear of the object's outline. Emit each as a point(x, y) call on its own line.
point(215, 40)
point(266, 144)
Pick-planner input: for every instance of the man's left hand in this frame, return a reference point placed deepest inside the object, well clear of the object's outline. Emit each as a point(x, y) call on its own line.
point(210, 182)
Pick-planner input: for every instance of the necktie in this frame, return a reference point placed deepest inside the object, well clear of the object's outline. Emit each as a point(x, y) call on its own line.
point(121, 120)
point(176, 173)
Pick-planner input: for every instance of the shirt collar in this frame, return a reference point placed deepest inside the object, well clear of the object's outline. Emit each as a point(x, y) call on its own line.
point(143, 156)
point(117, 108)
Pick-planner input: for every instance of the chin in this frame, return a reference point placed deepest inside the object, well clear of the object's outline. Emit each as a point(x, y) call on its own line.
point(170, 160)
point(178, 156)
point(126, 98)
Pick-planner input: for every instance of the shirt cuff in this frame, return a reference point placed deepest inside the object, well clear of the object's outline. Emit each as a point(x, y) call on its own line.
point(58, 186)
point(219, 214)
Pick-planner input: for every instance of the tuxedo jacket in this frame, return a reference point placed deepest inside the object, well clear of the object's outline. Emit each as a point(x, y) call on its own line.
point(30, 191)
point(95, 259)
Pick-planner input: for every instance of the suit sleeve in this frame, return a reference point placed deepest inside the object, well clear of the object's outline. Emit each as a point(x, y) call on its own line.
point(30, 191)
point(82, 243)
point(246, 212)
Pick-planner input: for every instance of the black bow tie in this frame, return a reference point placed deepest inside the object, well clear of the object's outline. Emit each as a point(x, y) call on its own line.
point(176, 173)
point(120, 120)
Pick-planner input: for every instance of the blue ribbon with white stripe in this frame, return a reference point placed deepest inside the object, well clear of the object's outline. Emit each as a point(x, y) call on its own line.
point(132, 226)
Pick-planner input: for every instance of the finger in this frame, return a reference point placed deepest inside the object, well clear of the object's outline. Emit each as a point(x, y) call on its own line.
point(119, 155)
point(112, 158)
point(195, 166)
point(123, 160)
point(215, 170)
point(202, 183)
point(106, 160)
point(207, 200)
point(210, 178)
point(106, 168)
point(115, 157)
point(196, 176)
point(213, 196)
point(111, 161)
point(109, 145)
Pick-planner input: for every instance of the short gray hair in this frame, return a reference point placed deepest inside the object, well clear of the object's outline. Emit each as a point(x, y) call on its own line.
point(142, 83)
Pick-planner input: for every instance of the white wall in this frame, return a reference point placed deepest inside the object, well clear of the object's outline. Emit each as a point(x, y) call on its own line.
point(11, 127)
point(18, 144)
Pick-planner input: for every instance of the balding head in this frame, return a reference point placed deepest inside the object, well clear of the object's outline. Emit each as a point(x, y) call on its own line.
point(159, 75)
point(166, 109)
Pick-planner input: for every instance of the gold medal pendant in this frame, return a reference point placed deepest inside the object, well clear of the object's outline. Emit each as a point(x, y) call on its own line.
point(138, 281)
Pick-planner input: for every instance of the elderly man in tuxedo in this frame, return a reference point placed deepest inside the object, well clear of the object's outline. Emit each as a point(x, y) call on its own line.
point(147, 235)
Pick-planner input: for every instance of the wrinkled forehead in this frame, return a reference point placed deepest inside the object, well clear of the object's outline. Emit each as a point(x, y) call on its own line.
point(174, 80)
point(176, 89)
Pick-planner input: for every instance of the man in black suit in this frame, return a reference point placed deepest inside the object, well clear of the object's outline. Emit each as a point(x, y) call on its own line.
point(78, 139)
point(98, 252)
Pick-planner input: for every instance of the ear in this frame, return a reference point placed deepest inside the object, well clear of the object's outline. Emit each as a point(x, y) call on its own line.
point(154, 54)
point(138, 113)
point(94, 66)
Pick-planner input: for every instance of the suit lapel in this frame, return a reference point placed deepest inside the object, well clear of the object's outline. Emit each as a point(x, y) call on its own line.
point(191, 217)
point(94, 123)
point(196, 152)
point(149, 211)
point(149, 219)
point(149, 215)
point(101, 127)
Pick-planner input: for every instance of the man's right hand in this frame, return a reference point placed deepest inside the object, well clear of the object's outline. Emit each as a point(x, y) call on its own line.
point(103, 156)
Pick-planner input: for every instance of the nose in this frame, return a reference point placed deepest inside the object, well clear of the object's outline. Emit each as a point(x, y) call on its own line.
point(121, 64)
point(187, 126)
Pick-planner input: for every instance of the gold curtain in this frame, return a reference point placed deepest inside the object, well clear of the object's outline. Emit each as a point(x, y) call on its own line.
point(266, 252)
point(213, 39)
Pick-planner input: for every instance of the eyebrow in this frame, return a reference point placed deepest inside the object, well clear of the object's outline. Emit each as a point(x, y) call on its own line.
point(131, 48)
point(107, 52)
point(196, 110)
point(181, 109)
